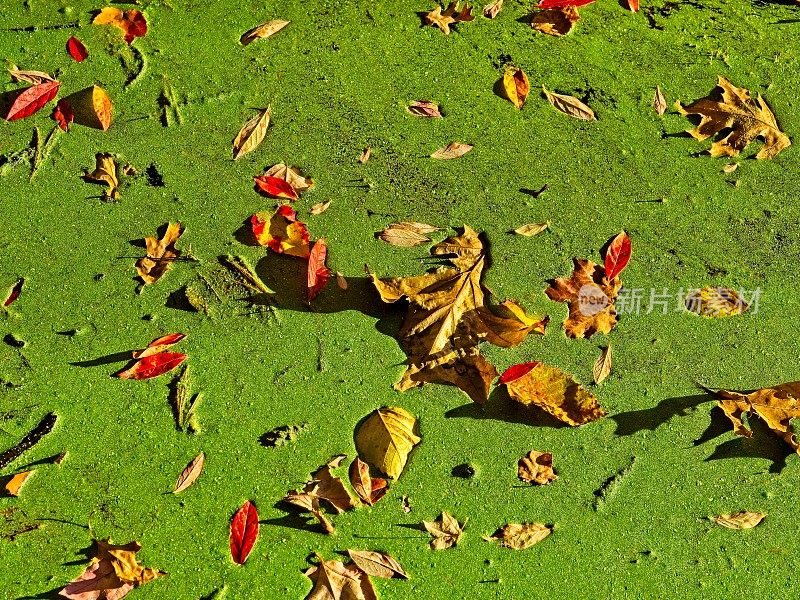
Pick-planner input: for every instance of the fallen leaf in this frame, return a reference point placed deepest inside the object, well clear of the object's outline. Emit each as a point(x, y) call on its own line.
point(275, 187)
point(320, 208)
point(740, 520)
point(132, 22)
point(252, 134)
point(14, 484)
point(730, 168)
point(424, 108)
point(329, 487)
point(309, 502)
point(31, 100)
point(715, 302)
point(105, 172)
point(341, 281)
point(776, 406)
point(740, 118)
point(552, 390)
point(446, 531)
point(386, 438)
point(452, 150)
point(491, 10)
point(32, 77)
point(76, 49)
point(448, 316)
point(368, 489)
point(63, 114)
point(516, 86)
point(281, 232)
point(377, 564)
point(602, 366)
point(659, 102)
point(451, 16)
point(291, 175)
point(407, 234)
point(536, 467)
point(152, 366)
point(112, 573)
point(520, 536)
point(244, 531)
point(556, 21)
point(264, 30)
point(190, 474)
point(563, 3)
point(159, 345)
point(618, 255)
point(283, 435)
point(569, 105)
point(14, 292)
point(334, 581)
point(318, 272)
point(633, 5)
point(532, 229)
point(365, 154)
point(92, 107)
point(160, 254)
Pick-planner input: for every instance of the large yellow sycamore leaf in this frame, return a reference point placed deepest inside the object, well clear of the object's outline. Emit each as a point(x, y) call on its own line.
point(743, 118)
point(776, 406)
point(552, 390)
point(385, 439)
point(448, 317)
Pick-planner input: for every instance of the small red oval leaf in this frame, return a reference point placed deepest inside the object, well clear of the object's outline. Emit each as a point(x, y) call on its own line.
point(618, 255)
point(244, 531)
point(76, 49)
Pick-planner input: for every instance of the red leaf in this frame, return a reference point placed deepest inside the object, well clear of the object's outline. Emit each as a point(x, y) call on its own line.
point(76, 49)
point(318, 273)
point(14, 293)
point(275, 187)
point(633, 5)
point(63, 114)
point(563, 3)
point(153, 366)
point(159, 345)
point(517, 371)
point(244, 531)
point(32, 99)
point(618, 255)
point(135, 26)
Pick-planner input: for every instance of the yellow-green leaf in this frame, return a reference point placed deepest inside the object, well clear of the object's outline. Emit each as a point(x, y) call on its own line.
point(385, 439)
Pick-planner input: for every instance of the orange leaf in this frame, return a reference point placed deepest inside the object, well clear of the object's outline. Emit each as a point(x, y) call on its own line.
point(153, 366)
point(633, 5)
point(159, 345)
point(244, 531)
point(15, 483)
point(618, 255)
point(275, 187)
point(318, 273)
point(131, 22)
point(281, 232)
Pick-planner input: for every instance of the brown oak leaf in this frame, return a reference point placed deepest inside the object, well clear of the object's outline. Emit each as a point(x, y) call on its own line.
point(451, 15)
point(160, 254)
point(536, 467)
point(446, 531)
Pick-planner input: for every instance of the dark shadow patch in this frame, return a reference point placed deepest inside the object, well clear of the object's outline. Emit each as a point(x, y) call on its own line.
point(650, 419)
point(764, 444)
point(104, 360)
point(500, 407)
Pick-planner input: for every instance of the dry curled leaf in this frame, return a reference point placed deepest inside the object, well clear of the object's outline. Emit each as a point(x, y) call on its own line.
point(740, 118)
point(281, 232)
point(602, 366)
point(190, 474)
point(318, 273)
point(159, 345)
point(452, 150)
point(27, 76)
point(14, 484)
point(161, 253)
point(451, 16)
point(659, 102)
point(569, 105)
point(491, 10)
point(369, 489)
point(516, 86)
point(329, 487)
point(775, 406)
point(319, 208)
point(424, 108)
point(92, 107)
point(264, 30)
point(715, 302)
point(386, 438)
point(364, 156)
point(290, 175)
point(334, 580)
point(446, 532)
point(252, 133)
point(552, 390)
point(557, 21)
point(377, 564)
point(520, 536)
point(310, 502)
point(532, 229)
point(740, 520)
point(449, 315)
point(536, 467)
point(407, 234)
point(105, 172)
point(341, 281)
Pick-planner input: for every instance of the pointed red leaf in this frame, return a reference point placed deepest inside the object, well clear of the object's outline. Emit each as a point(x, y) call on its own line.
point(318, 273)
point(32, 99)
point(517, 371)
point(633, 5)
point(275, 187)
point(244, 531)
point(63, 114)
point(76, 49)
point(153, 366)
point(563, 3)
point(159, 345)
point(14, 293)
point(618, 255)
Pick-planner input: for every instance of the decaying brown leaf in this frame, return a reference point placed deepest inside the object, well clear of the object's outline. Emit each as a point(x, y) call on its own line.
point(556, 21)
point(740, 520)
point(590, 298)
point(659, 102)
point(264, 30)
point(309, 502)
point(448, 316)
point(190, 474)
point(446, 531)
point(451, 16)
point(569, 105)
point(377, 564)
point(776, 406)
point(105, 172)
point(452, 150)
point(532, 229)
point(252, 133)
point(407, 234)
point(602, 366)
point(32, 77)
point(369, 489)
point(341, 281)
point(536, 467)
point(334, 580)
point(552, 390)
point(520, 536)
point(160, 254)
point(715, 302)
point(364, 156)
point(491, 10)
point(14, 484)
point(740, 118)
point(424, 108)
